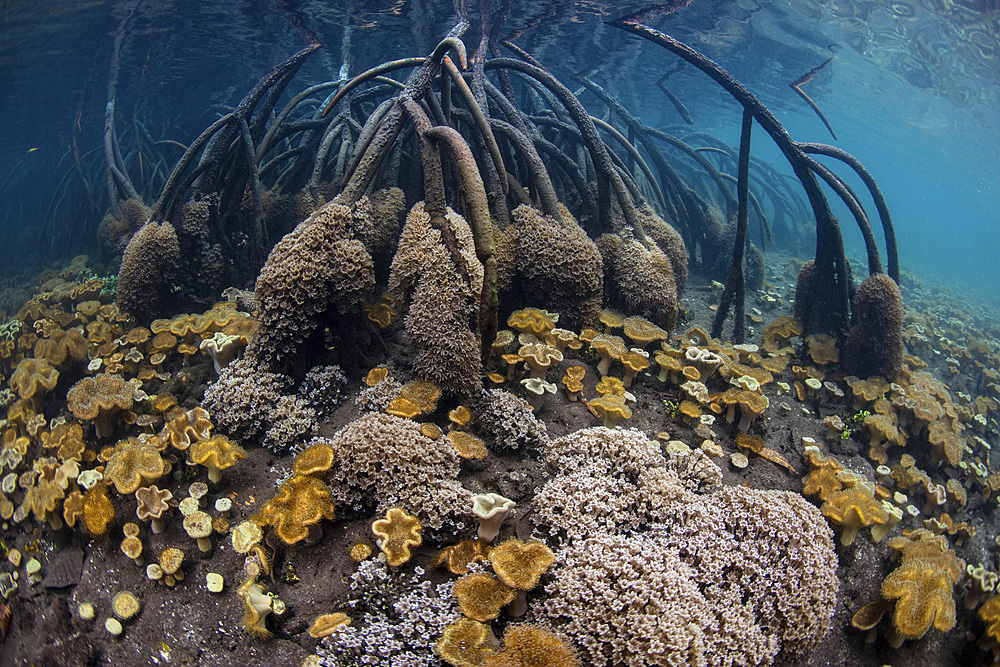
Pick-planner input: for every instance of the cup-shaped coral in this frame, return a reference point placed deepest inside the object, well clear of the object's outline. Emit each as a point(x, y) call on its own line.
point(99, 399)
point(134, 465)
point(490, 510)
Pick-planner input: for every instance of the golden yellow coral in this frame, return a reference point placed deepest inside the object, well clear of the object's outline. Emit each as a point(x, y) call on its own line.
point(458, 557)
point(188, 428)
point(610, 348)
point(922, 585)
point(376, 375)
point(481, 596)
point(301, 502)
point(460, 416)
point(327, 624)
point(61, 346)
point(853, 509)
point(216, 454)
point(257, 606)
point(532, 320)
point(612, 409)
point(463, 643)
point(98, 511)
point(32, 378)
point(396, 534)
point(313, 459)
point(642, 332)
point(467, 445)
point(67, 440)
point(380, 314)
point(538, 357)
point(415, 398)
point(527, 645)
point(134, 464)
point(989, 613)
point(611, 319)
point(777, 333)
point(521, 564)
point(98, 399)
point(823, 481)
point(822, 349)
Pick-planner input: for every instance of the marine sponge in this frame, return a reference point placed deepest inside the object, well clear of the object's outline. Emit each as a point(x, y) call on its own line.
point(557, 264)
point(444, 287)
point(148, 262)
point(642, 278)
point(317, 271)
point(875, 344)
point(386, 461)
point(669, 241)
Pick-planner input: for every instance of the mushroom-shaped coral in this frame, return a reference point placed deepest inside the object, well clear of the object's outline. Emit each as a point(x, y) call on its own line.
point(532, 320)
point(152, 505)
point(464, 643)
point(521, 564)
point(481, 596)
point(467, 445)
point(922, 585)
point(133, 465)
point(573, 381)
point(610, 348)
point(313, 459)
point(301, 502)
point(100, 398)
point(612, 409)
point(32, 378)
point(634, 361)
point(198, 525)
point(536, 389)
point(534, 646)
point(216, 454)
point(822, 349)
point(188, 428)
point(777, 333)
point(539, 357)
point(98, 510)
point(853, 509)
point(396, 534)
point(257, 606)
point(642, 332)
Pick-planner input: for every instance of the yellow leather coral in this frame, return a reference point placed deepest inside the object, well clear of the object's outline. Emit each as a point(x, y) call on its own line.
point(396, 534)
point(922, 585)
point(188, 428)
point(521, 564)
point(532, 646)
point(463, 643)
point(313, 459)
point(481, 596)
point(133, 465)
point(32, 378)
point(216, 454)
point(301, 502)
point(98, 399)
point(853, 509)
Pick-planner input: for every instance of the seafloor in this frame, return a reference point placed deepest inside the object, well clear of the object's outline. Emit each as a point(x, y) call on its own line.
point(75, 534)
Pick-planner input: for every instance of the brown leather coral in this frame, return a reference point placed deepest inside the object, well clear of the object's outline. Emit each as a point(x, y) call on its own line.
point(853, 509)
point(133, 465)
point(216, 454)
point(481, 596)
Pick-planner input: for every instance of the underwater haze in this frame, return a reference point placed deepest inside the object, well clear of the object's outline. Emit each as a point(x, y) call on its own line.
point(912, 90)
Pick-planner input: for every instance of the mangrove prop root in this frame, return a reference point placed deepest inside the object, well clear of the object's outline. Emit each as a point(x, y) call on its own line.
point(831, 263)
point(736, 284)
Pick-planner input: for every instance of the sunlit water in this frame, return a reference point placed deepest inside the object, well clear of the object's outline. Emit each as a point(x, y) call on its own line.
point(913, 90)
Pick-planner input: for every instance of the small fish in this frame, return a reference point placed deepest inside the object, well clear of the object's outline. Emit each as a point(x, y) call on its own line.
point(32, 150)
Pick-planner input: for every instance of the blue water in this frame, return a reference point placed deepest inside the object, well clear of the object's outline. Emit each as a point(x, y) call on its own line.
point(912, 91)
